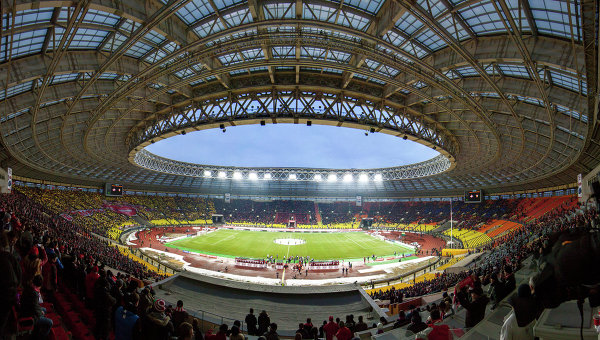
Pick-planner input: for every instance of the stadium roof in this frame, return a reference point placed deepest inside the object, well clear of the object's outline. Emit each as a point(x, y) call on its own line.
point(506, 90)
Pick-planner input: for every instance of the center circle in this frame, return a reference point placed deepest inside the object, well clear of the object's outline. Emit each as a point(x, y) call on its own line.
point(289, 241)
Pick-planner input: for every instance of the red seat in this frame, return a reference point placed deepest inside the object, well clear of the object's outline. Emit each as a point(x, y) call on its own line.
point(23, 325)
point(56, 319)
point(49, 307)
point(59, 334)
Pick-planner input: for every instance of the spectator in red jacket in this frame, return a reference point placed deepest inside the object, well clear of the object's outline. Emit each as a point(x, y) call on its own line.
point(344, 332)
point(331, 329)
point(50, 274)
point(90, 281)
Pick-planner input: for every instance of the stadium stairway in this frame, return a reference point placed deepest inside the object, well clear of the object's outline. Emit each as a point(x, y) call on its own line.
point(318, 215)
point(142, 221)
point(78, 319)
point(442, 227)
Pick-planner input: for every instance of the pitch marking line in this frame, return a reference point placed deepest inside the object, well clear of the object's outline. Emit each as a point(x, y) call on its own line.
point(358, 244)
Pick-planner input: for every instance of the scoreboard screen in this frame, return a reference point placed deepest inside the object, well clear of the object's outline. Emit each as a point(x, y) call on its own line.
point(473, 196)
point(113, 190)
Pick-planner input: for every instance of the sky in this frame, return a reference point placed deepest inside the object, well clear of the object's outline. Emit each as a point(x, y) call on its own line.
point(292, 145)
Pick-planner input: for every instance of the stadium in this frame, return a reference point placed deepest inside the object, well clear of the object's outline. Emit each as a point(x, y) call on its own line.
point(467, 209)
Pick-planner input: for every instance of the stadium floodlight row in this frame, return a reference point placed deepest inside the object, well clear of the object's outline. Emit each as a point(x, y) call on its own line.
point(332, 177)
point(433, 166)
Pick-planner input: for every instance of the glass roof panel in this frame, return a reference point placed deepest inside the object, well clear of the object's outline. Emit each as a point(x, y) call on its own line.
point(408, 23)
point(483, 18)
point(258, 69)
point(318, 12)
point(253, 54)
point(228, 59)
point(138, 49)
point(352, 20)
point(332, 70)
point(312, 52)
point(370, 6)
point(389, 71)
point(466, 71)
point(108, 75)
point(155, 56)
point(210, 27)
point(234, 72)
point(13, 115)
point(222, 4)
point(24, 43)
point(565, 80)
point(101, 18)
point(514, 70)
point(419, 85)
point(280, 11)
point(284, 52)
point(435, 7)
point(242, 34)
point(129, 26)
point(195, 10)
point(370, 64)
point(453, 27)
point(339, 56)
point(571, 113)
point(84, 38)
point(552, 17)
point(114, 43)
point(28, 17)
point(414, 49)
point(431, 40)
point(394, 38)
point(238, 17)
point(185, 73)
point(154, 37)
point(16, 89)
point(490, 69)
point(61, 78)
point(450, 74)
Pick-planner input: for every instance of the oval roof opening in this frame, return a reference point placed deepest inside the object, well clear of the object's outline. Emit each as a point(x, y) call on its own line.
point(292, 145)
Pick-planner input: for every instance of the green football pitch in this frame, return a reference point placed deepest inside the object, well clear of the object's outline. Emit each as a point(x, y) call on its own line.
point(259, 244)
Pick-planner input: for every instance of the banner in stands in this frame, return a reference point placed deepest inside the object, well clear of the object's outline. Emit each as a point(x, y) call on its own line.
point(579, 186)
point(126, 210)
point(358, 201)
point(4, 182)
point(86, 212)
point(66, 217)
point(9, 180)
point(227, 198)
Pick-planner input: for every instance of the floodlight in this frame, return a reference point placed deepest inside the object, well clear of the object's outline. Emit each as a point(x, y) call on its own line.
point(318, 178)
point(253, 176)
point(237, 175)
point(292, 177)
point(363, 177)
point(207, 173)
point(378, 177)
point(348, 178)
point(267, 176)
point(222, 174)
point(332, 178)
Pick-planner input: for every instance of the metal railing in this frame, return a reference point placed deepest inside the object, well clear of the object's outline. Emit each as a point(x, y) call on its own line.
point(155, 262)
